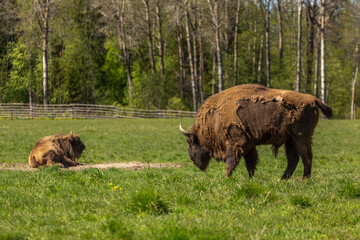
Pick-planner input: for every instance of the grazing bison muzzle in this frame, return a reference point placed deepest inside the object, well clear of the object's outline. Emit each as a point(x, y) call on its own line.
point(230, 124)
point(59, 149)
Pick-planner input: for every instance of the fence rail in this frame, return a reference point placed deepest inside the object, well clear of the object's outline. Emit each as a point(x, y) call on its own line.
point(83, 111)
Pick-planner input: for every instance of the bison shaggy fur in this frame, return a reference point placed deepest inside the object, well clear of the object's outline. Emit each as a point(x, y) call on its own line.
point(230, 124)
point(61, 149)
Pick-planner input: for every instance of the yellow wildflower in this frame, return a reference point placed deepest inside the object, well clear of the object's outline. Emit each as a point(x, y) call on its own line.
point(110, 184)
point(355, 184)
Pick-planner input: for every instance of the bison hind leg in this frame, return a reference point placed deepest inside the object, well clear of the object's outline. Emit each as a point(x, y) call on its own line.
point(251, 159)
point(292, 158)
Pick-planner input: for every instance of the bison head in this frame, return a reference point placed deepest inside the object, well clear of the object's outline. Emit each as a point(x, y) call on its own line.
point(77, 145)
point(198, 153)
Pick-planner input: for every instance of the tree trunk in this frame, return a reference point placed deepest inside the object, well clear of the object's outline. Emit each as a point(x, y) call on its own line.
point(254, 42)
point(298, 62)
point(355, 76)
point(322, 52)
point(316, 67)
point(213, 75)
point(188, 38)
point(280, 32)
point(160, 44)
point(44, 26)
point(260, 58)
point(123, 46)
point(180, 49)
point(215, 16)
point(149, 35)
point(267, 41)
point(201, 56)
point(45, 61)
point(195, 43)
point(227, 23)
point(311, 21)
point(236, 43)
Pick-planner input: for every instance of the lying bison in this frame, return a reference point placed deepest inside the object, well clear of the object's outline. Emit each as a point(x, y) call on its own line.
point(232, 123)
point(57, 149)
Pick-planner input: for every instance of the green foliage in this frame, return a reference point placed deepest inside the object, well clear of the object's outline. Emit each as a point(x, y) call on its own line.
point(175, 103)
point(86, 64)
point(114, 86)
point(82, 54)
point(25, 74)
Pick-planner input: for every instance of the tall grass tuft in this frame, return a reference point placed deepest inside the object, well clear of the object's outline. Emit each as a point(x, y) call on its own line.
point(249, 190)
point(148, 201)
point(301, 201)
point(117, 230)
point(349, 188)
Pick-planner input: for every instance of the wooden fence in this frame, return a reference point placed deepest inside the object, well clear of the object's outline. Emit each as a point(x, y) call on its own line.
point(83, 111)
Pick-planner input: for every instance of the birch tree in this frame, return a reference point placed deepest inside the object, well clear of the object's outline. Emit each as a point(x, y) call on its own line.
point(201, 56)
point(146, 4)
point(115, 13)
point(44, 13)
point(254, 40)
point(311, 14)
point(179, 27)
point(215, 17)
point(331, 6)
point(236, 42)
point(160, 36)
point(266, 7)
point(353, 85)
point(298, 62)
point(322, 52)
point(279, 17)
point(190, 57)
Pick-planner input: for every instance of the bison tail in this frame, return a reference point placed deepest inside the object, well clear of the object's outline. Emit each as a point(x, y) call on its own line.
point(325, 109)
point(32, 162)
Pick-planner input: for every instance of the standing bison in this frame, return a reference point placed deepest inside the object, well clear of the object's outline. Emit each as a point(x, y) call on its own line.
point(232, 123)
point(59, 149)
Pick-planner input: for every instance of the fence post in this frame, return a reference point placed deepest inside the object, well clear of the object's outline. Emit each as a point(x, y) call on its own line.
point(72, 112)
point(31, 111)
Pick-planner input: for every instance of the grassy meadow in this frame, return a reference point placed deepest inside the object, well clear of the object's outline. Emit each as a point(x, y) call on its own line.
point(175, 203)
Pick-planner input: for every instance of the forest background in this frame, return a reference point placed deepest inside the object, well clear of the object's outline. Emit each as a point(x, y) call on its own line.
point(173, 54)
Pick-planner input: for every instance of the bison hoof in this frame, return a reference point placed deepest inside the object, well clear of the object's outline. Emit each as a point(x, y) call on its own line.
point(228, 174)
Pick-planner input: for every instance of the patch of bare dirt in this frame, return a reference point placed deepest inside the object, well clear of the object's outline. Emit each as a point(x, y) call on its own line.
point(123, 165)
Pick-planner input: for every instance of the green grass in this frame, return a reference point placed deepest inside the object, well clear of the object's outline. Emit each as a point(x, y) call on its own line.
point(122, 140)
point(176, 203)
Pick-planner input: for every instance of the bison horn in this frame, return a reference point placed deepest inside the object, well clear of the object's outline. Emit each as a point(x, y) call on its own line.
point(183, 131)
point(71, 134)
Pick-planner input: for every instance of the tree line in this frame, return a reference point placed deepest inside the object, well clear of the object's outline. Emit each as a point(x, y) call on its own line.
point(173, 54)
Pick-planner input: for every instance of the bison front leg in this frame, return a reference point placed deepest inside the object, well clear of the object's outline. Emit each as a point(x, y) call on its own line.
point(232, 160)
point(68, 162)
point(251, 159)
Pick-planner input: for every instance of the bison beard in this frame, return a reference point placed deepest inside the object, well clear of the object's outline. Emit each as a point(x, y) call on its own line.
point(57, 149)
point(230, 125)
